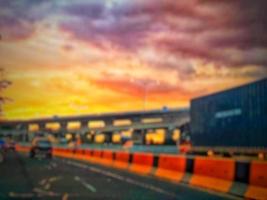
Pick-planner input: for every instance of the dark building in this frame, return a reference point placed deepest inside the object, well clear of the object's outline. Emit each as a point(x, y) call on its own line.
point(232, 118)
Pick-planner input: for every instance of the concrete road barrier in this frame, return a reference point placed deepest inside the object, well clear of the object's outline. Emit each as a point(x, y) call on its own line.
point(107, 158)
point(247, 179)
point(142, 163)
point(213, 173)
point(257, 188)
point(171, 167)
point(122, 160)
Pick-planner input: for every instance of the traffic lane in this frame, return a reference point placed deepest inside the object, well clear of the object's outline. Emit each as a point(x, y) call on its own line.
point(108, 185)
point(22, 177)
point(180, 191)
point(11, 172)
point(25, 178)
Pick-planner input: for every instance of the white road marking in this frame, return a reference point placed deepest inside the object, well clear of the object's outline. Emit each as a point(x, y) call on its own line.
point(46, 183)
point(65, 196)
point(55, 178)
point(47, 186)
point(54, 165)
point(21, 195)
point(122, 178)
point(42, 182)
point(45, 193)
point(86, 185)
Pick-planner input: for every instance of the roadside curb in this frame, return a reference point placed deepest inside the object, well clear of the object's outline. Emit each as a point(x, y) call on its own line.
point(238, 178)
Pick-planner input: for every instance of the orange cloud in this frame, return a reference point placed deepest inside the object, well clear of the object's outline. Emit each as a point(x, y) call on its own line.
point(92, 57)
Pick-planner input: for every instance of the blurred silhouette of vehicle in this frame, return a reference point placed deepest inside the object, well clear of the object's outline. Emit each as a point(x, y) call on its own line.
point(63, 141)
point(185, 146)
point(10, 145)
point(2, 153)
point(41, 147)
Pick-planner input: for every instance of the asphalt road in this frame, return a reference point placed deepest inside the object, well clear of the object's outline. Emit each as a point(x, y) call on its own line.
point(25, 178)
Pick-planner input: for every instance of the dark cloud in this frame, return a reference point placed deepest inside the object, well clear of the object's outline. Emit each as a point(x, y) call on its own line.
point(223, 32)
point(18, 18)
point(211, 30)
point(104, 28)
point(228, 56)
point(90, 10)
point(12, 28)
point(159, 8)
point(126, 25)
point(247, 19)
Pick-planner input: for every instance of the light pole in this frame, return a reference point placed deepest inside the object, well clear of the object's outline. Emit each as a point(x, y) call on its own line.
point(145, 86)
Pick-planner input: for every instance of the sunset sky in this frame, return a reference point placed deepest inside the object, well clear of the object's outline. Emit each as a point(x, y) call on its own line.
point(94, 56)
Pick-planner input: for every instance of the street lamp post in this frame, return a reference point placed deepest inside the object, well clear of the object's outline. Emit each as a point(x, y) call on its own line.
point(145, 86)
point(145, 97)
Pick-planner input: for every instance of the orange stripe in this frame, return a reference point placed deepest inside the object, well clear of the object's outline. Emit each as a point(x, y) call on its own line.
point(121, 160)
point(171, 167)
point(142, 163)
point(213, 173)
point(257, 180)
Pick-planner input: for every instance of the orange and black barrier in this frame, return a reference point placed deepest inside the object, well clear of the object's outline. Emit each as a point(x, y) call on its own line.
point(247, 179)
point(257, 188)
point(107, 157)
point(96, 156)
point(171, 167)
point(122, 160)
point(24, 149)
point(142, 163)
point(213, 173)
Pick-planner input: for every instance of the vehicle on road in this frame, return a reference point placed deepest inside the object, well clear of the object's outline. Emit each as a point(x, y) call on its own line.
point(41, 147)
point(10, 145)
point(2, 152)
point(1, 156)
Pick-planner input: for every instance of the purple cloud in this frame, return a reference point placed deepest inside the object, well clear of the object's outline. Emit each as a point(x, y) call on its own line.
point(204, 29)
point(232, 33)
point(18, 18)
point(90, 10)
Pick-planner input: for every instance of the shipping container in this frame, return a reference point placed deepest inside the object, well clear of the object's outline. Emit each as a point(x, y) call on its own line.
point(232, 118)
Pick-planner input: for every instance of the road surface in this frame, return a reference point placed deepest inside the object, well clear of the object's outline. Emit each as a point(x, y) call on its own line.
point(24, 178)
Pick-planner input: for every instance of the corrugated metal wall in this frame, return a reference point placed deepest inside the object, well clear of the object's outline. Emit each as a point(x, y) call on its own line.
point(236, 117)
